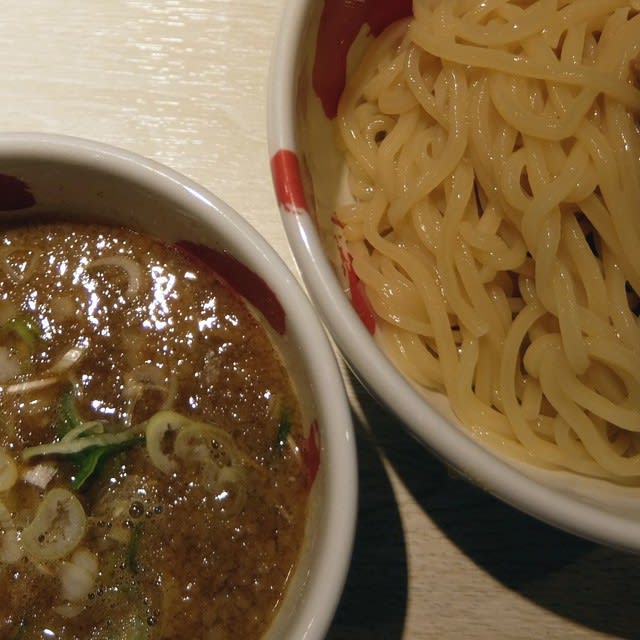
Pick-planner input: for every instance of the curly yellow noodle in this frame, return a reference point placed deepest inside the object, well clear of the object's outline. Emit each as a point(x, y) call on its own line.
point(474, 409)
point(596, 403)
point(594, 441)
point(505, 95)
point(493, 160)
point(587, 267)
point(529, 22)
point(413, 355)
point(622, 319)
point(432, 40)
point(568, 313)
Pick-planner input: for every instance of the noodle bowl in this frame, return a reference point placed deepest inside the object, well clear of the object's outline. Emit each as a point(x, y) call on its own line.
point(493, 156)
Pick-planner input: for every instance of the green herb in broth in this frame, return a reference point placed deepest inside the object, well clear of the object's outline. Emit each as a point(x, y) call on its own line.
point(139, 461)
point(18, 340)
point(22, 630)
point(132, 549)
point(284, 427)
point(84, 439)
point(24, 330)
point(74, 433)
point(88, 461)
point(68, 416)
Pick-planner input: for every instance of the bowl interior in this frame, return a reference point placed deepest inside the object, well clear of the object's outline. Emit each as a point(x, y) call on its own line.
point(320, 42)
point(51, 176)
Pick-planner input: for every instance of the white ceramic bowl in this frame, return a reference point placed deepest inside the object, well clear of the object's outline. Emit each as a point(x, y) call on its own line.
point(88, 181)
point(306, 79)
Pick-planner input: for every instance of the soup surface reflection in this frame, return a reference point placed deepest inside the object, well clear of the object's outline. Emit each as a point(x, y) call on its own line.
point(152, 474)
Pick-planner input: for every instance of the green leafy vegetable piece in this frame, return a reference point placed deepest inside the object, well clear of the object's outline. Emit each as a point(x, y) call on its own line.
point(68, 416)
point(21, 334)
point(88, 460)
point(132, 549)
point(284, 427)
point(85, 443)
point(24, 330)
point(22, 630)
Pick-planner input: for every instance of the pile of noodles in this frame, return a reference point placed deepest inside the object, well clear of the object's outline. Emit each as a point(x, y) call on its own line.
point(493, 154)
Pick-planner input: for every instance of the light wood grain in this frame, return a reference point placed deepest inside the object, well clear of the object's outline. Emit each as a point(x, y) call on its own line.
point(184, 82)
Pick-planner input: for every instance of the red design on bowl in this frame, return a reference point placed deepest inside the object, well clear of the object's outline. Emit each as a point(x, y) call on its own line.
point(340, 23)
point(359, 300)
point(285, 171)
point(242, 280)
point(14, 194)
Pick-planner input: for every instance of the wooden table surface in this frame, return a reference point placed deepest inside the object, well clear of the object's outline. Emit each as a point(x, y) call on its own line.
point(184, 82)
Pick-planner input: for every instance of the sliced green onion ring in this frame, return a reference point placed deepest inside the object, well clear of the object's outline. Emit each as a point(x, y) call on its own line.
point(208, 449)
point(8, 471)
point(10, 550)
point(57, 528)
point(128, 265)
point(158, 426)
point(81, 442)
point(200, 442)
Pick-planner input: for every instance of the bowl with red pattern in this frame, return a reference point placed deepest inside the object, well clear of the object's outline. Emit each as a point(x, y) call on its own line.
point(318, 42)
point(57, 177)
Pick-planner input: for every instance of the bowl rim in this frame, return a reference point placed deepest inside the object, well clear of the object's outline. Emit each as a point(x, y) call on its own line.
point(323, 585)
point(377, 374)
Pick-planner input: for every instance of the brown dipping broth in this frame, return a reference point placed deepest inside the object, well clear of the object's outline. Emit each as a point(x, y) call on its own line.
point(124, 326)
